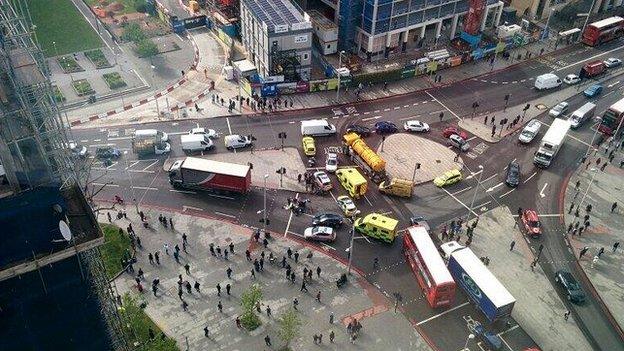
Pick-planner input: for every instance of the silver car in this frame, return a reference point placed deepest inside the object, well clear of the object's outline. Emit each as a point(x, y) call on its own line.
point(319, 233)
point(458, 142)
point(530, 131)
point(559, 109)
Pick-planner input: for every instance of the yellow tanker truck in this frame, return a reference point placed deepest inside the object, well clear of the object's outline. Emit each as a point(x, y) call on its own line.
point(368, 160)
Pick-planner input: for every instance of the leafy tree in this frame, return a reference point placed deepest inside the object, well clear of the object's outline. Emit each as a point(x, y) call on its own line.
point(140, 6)
point(146, 48)
point(289, 326)
point(133, 32)
point(249, 299)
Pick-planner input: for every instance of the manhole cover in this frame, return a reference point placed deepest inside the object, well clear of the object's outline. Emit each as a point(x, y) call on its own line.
point(541, 106)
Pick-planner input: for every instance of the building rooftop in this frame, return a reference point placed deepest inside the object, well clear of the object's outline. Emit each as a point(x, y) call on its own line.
point(321, 21)
point(279, 15)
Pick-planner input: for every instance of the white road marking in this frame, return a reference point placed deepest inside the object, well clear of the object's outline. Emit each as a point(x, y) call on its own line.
point(490, 177)
point(609, 93)
point(118, 138)
point(471, 138)
point(221, 196)
point(101, 145)
point(182, 191)
point(97, 140)
point(459, 201)
point(185, 208)
point(405, 106)
point(441, 104)
point(376, 111)
point(367, 112)
point(327, 246)
point(494, 187)
point(529, 178)
point(84, 141)
point(483, 204)
point(224, 214)
point(367, 200)
point(144, 188)
point(543, 188)
point(614, 84)
point(106, 184)
point(461, 191)
point(370, 118)
point(507, 193)
point(133, 164)
point(227, 120)
point(408, 118)
point(290, 218)
point(151, 164)
point(587, 59)
point(140, 171)
point(443, 313)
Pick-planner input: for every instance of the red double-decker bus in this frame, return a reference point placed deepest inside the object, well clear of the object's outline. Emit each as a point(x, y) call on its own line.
point(431, 272)
point(603, 31)
point(612, 119)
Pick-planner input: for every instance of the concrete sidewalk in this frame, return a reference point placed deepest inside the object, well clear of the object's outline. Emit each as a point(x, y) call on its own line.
point(538, 310)
point(600, 189)
point(357, 299)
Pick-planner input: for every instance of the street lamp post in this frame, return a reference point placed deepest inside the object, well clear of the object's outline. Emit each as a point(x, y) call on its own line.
point(591, 143)
point(474, 197)
point(468, 338)
point(338, 73)
point(155, 96)
point(591, 8)
point(264, 211)
point(353, 220)
point(594, 170)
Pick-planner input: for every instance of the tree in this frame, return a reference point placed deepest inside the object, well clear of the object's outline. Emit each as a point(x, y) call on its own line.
point(146, 48)
point(249, 299)
point(289, 326)
point(133, 32)
point(140, 6)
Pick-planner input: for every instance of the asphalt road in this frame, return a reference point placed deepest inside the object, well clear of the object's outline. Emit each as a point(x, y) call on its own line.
point(144, 180)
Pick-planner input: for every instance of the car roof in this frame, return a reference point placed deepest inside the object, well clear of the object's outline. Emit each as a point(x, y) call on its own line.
point(531, 214)
point(452, 172)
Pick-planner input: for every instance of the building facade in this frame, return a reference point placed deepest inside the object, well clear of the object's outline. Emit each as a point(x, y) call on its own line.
point(391, 24)
point(278, 38)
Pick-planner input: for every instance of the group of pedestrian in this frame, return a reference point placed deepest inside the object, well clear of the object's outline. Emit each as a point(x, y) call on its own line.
point(353, 329)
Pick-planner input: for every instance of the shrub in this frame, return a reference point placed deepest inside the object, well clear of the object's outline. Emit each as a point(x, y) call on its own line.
point(114, 80)
point(140, 6)
point(133, 32)
point(146, 48)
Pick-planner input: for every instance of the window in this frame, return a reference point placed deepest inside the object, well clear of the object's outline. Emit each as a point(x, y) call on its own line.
point(328, 46)
point(274, 43)
point(305, 56)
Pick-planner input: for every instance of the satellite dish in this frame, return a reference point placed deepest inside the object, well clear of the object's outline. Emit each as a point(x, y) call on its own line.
point(65, 231)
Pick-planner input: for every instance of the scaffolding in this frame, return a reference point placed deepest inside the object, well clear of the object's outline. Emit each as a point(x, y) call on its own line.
point(34, 153)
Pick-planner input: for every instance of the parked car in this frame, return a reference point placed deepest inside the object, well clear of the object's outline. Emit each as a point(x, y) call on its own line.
point(448, 131)
point(572, 79)
point(530, 131)
point(458, 142)
point(322, 180)
point(346, 205)
point(415, 126)
point(593, 91)
point(236, 141)
point(211, 133)
point(450, 177)
point(573, 289)
point(361, 130)
point(77, 150)
point(309, 148)
point(531, 222)
point(107, 152)
point(327, 220)
point(331, 164)
point(612, 62)
point(385, 127)
point(559, 109)
point(319, 234)
point(513, 174)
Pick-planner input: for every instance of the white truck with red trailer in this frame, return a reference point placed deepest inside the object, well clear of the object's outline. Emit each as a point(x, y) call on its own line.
point(202, 174)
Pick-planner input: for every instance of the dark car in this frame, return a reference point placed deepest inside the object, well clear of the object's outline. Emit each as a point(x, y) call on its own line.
point(361, 130)
point(327, 220)
point(385, 127)
point(572, 288)
point(513, 174)
point(107, 152)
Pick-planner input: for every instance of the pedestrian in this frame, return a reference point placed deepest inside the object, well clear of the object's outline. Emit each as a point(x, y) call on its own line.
point(511, 246)
point(110, 219)
point(218, 289)
point(268, 311)
point(166, 248)
point(196, 286)
point(318, 271)
point(253, 274)
point(171, 223)
point(305, 272)
point(261, 263)
point(594, 261)
point(267, 340)
point(184, 247)
point(157, 257)
point(376, 263)
point(318, 296)
point(601, 251)
point(583, 252)
point(586, 224)
point(176, 256)
point(604, 165)
point(238, 322)
point(283, 261)
point(225, 254)
point(310, 275)
point(485, 120)
point(220, 307)
point(212, 250)
point(320, 338)
point(566, 315)
point(299, 176)
point(289, 252)
point(296, 256)
point(288, 272)
point(331, 318)
point(256, 265)
point(295, 303)
point(570, 227)
point(331, 336)
point(303, 286)
point(231, 248)
point(180, 292)
point(315, 338)
point(613, 207)
point(177, 248)
point(265, 243)
point(258, 309)
point(615, 246)
point(580, 230)
point(154, 289)
point(218, 249)
point(187, 268)
point(248, 255)
point(571, 208)
point(188, 288)
point(150, 257)
point(184, 305)
point(229, 272)
point(588, 208)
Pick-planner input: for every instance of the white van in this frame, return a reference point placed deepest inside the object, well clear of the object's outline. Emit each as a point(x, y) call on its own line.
point(196, 142)
point(581, 115)
point(530, 131)
point(317, 127)
point(236, 141)
point(547, 81)
point(147, 133)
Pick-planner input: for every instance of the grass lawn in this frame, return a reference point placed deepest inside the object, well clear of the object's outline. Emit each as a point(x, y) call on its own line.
point(141, 323)
point(60, 21)
point(114, 248)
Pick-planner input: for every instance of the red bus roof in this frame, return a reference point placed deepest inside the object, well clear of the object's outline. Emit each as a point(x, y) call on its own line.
point(607, 22)
point(430, 255)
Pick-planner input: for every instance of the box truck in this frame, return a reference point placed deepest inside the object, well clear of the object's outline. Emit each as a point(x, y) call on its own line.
point(149, 144)
point(397, 187)
point(481, 286)
point(201, 174)
point(551, 142)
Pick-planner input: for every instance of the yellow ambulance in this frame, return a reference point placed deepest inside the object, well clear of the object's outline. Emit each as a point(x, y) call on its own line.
point(377, 226)
point(352, 181)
